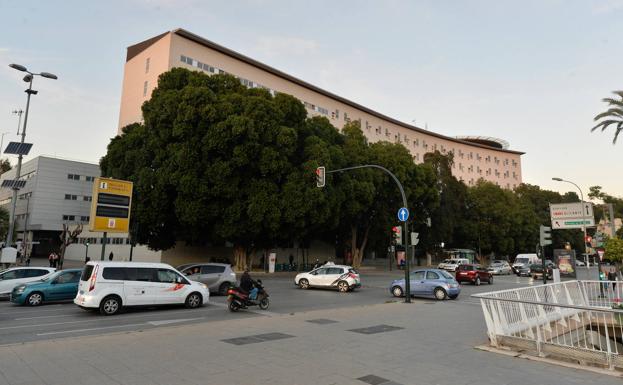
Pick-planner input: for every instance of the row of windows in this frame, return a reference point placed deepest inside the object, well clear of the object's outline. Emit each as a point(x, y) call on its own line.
point(87, 178)
point(83, 218)
point(71, 197)
point(479, 170)
point(109, 241)
point(142, 275)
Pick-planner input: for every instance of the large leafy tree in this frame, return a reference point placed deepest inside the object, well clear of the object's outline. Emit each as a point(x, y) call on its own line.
point(215, 161)
point(613, 116)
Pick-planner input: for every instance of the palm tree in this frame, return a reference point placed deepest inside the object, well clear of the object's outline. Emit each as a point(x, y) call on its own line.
point(614, 115)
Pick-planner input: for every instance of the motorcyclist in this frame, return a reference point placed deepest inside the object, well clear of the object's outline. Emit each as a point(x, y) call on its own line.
point(248, 285)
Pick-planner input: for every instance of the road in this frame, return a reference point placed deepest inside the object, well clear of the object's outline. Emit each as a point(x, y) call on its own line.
point(51, 321)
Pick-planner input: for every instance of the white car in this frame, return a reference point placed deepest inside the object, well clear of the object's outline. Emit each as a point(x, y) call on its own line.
point(342, 277)
point(109, 286)
point(15, 276)
point(452, 264)
point(500, 267)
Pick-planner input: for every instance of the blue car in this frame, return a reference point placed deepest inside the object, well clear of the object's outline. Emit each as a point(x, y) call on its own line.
point(428, 283)
point(59, 286)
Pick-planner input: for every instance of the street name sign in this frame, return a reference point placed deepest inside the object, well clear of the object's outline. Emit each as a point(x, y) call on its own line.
point(110, 207)
point(571, 215)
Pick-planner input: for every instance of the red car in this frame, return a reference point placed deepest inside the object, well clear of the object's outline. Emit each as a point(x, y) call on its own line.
point(473, 273)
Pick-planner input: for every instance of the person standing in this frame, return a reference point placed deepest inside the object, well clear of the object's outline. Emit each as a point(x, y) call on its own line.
point(612, 277)
point(54, 260)
point(51, 259)
point(110, 256)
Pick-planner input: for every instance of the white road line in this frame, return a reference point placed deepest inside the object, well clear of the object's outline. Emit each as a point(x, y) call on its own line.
point(44, 316)
point(90, 329)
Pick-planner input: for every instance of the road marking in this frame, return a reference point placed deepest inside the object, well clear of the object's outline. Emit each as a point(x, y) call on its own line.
point(260, 312)
point(90, 329)
point(44, 316)
point(172, 321)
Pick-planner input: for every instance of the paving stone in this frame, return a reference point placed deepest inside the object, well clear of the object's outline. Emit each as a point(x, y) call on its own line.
point(321, 321)
point(373, 380)
point(376, 329)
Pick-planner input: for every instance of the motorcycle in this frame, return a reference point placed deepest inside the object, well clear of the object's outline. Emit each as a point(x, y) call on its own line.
point(240, 300)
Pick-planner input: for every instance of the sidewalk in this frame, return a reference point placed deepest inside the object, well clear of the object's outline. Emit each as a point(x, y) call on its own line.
point(411, 348)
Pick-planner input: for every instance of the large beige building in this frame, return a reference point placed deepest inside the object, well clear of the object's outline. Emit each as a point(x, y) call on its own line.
point(475, 157)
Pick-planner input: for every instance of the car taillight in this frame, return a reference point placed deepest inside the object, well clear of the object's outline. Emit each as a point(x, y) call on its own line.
point(93, 278)
point(352, 275)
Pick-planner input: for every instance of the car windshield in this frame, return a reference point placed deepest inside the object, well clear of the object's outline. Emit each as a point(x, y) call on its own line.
point(521, 260)
point(51, 277)
point(445, 274)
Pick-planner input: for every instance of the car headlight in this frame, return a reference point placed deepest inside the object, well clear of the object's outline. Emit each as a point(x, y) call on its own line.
point(203, 285)
point(20, 289)
point(454, 285)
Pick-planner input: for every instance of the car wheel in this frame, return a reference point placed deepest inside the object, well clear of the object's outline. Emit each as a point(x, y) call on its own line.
point(34, 299)
point(490, 281)
point(264, 302)
point(193, 301)
point(222, 290)
point(342, 286)
point(440, 294)
point(304, 284)
point(397, 291)
point(477, 281)
point(110, 305)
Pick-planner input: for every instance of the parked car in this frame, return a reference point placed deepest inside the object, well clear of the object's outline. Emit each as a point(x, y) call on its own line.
point(473, 273)
point(434, 283)
point(110, 286)
point(452, 264)
point(58, 286)
point(536, 270)
point(217, 276)
point(500, 268)
point(524, 260)
point(342, 277)
point(14, 276)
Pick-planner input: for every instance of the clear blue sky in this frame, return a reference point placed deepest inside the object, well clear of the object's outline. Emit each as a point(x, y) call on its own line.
point(530, 72)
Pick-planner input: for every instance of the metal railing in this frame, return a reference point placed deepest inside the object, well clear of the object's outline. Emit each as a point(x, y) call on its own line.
point(573, 319)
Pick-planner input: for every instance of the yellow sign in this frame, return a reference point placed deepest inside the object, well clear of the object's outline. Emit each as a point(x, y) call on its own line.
point(111, 204)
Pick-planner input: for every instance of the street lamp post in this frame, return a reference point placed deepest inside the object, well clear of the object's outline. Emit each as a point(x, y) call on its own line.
point(86, 253)
point(18, 169)
point(583, 215)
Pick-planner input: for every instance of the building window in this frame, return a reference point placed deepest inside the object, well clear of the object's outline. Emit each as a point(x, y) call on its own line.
point(145, 88)
point(84, 218)
point(87, 198)
point(183, 59)
point(73, 176)
point(69, 217)
point(71, 197)
point(147, 65)
point(89, 178)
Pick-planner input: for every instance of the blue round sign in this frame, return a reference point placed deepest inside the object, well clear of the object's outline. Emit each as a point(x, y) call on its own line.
point(403, 214)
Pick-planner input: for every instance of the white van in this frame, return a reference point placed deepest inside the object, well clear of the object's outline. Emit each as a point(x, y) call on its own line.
point(109, 286)
point(452, 264)
point(523, 260)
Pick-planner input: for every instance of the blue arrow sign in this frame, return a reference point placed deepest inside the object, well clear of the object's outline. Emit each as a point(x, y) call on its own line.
point(403, 214)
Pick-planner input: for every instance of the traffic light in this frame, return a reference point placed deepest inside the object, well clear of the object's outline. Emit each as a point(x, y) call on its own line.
point(546, 235)
point(320, 176)
point(397, 235)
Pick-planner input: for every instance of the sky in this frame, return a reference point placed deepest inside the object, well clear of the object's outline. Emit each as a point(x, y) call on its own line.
point(530, 72)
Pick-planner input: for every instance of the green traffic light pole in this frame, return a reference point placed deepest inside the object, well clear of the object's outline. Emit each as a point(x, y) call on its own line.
point(405, 226)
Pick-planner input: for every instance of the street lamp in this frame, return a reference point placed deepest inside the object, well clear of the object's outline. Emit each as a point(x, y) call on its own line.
point(86, 253)
point(28, 79)
point(583, 215)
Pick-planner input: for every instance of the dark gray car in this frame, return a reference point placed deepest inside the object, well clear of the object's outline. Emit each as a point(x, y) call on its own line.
point(217, 276)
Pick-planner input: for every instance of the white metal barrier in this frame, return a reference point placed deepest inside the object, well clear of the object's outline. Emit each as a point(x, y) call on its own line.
point(571, 319)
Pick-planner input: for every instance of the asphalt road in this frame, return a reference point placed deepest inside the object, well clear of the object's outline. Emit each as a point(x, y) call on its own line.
point(51, 321)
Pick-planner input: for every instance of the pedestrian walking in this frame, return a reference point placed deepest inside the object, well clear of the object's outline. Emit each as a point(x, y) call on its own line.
point(51, 259)
point(612, 277)
point(55, 259)
point(110, 256)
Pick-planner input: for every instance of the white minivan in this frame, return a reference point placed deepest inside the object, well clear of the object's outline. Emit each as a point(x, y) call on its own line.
point(524, 260)
point(109, 286)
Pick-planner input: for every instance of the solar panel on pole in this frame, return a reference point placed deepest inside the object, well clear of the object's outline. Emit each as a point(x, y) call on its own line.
point(18, 148)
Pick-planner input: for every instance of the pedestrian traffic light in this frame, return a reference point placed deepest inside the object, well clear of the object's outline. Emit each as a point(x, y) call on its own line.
point(546, 235)
point(397, 235)
point(320, 176)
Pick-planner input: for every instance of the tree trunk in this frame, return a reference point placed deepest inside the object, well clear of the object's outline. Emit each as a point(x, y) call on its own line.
point(358, 252)
point(240, 258)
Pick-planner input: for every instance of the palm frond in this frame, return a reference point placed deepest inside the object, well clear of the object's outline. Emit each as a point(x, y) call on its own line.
point(620, 93)
point(617, 132)
point(617, 112)
point(613, 102)
point(605, 124)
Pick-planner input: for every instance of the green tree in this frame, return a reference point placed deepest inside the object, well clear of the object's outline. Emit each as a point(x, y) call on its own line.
point(4, 222)
point(614, 250)
point(5, 166)
point(215, 161)
point(612, 117)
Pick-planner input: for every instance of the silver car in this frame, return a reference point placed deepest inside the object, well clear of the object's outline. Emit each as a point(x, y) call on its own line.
point(217, 276)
